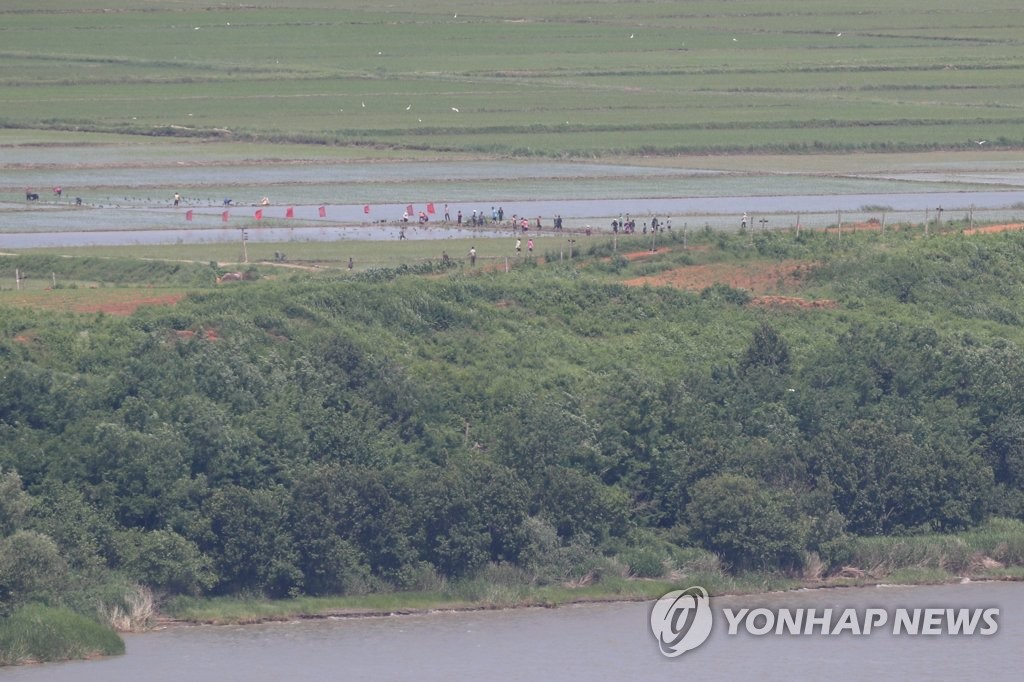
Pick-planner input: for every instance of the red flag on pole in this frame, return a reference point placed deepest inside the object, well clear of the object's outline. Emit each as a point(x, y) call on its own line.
point(366, 208)
point(430, 209)
point(188, 214)
point(224, 217)
point(290, 213)
point(323, 211)
point(409, 209)
point(259, 214)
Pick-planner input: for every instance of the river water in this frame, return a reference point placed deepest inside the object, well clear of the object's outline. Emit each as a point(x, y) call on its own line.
point(591, 642)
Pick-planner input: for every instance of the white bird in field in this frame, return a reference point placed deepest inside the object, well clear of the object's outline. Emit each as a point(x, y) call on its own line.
point(980, 141)
point(839, 35)
point(455, 110)
point(408, 107)
point(364, 104)
point(631, 36)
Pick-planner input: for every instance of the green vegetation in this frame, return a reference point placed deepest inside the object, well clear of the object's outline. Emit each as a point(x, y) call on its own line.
point(526, 78)
point(37, 633)
point(421, 436)
point(412, 433)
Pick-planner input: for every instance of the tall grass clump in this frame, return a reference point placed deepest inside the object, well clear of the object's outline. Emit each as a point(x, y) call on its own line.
point(37, 633)
point(134, 612)
point(999, 542)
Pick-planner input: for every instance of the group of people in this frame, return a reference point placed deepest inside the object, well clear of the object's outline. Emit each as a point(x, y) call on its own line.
point(519, 246)
point(497, 216)
point(628, 225)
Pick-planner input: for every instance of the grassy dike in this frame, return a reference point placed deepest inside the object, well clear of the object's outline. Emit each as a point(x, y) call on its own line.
point(994, 551)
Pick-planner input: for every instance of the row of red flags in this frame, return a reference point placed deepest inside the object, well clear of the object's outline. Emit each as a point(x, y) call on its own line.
point(290, 212)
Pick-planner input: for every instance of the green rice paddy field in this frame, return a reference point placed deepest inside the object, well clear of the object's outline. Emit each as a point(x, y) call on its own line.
point(311, 101)
point(527, 77)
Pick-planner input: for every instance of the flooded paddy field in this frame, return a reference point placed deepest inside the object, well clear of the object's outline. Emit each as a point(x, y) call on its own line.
point(124, 192)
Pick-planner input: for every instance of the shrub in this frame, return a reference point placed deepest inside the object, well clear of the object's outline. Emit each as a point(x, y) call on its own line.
point(644, 562)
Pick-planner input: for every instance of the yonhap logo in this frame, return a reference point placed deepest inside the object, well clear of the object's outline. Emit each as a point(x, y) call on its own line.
point(681, 620)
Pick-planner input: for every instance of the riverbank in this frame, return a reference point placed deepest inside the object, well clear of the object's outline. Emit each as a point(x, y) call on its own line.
point(993, 551)
point(247, 611)
point(989, 553)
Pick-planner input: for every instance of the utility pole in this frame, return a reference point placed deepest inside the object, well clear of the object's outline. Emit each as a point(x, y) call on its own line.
point(245, 249)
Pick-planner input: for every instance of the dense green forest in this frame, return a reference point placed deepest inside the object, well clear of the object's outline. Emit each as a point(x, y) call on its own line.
point(390, 430)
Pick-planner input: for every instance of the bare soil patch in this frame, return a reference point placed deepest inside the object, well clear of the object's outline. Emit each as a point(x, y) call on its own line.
point(126, 306)
point(768, 281)
point(109, 301)
point(991, 229)
point(757, 277)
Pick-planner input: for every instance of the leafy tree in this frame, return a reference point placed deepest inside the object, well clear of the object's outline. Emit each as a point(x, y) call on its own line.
point(31, 568)
point(468, 514)
point(747, 525)
point(348, 519)
point(250, 542)
point(83, 532)
point(14, 503)
point(164, 561)
point(579, 505)
point(767, 349)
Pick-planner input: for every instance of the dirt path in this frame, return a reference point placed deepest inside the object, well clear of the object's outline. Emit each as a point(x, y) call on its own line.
point(992, 229)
